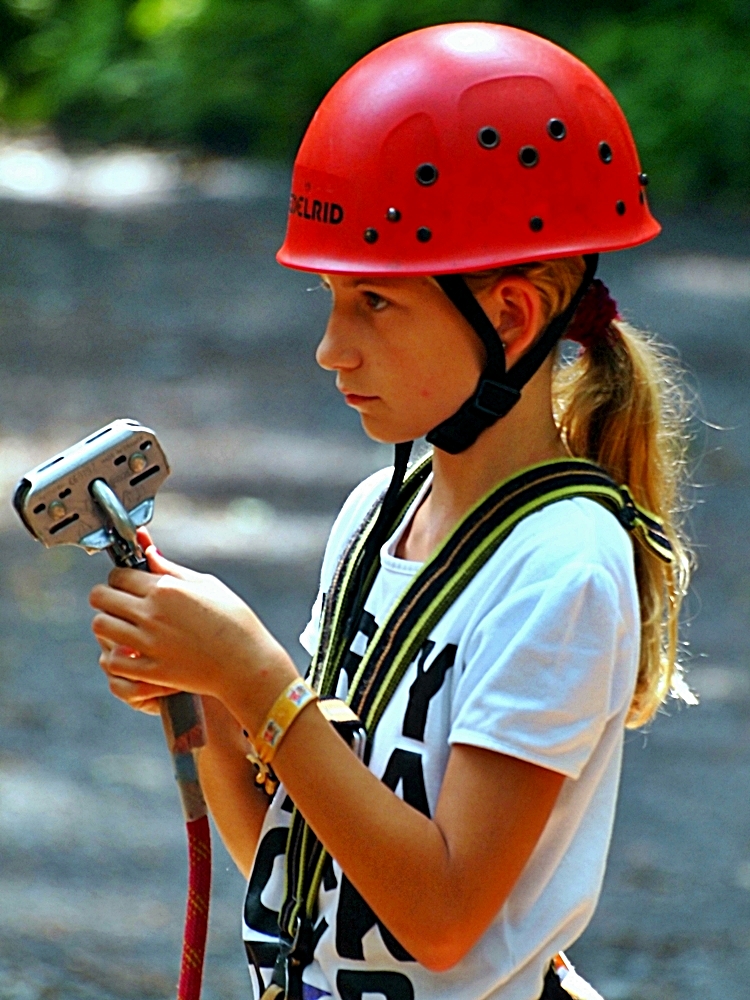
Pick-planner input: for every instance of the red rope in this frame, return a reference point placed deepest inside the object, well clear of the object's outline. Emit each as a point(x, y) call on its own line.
point(196, 917)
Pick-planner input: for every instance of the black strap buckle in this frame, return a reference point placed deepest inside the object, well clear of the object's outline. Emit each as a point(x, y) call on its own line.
point(495, 398)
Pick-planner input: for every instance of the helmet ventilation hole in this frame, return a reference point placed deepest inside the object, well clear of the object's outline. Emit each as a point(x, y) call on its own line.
point(371, 235)
point(488, 137)
point(641, 199)
point(424, 235)
point(620, 208)
point(426, 174)
point(556, 129)
point(528, 155)
point(535, 223)
point(605, 152)
point(393, 215)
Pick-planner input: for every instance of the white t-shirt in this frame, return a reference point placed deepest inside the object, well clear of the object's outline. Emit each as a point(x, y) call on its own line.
point(537, 658)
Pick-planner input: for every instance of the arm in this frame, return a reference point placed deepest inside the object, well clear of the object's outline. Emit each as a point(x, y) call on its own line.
point(237, 805)
point(435, 883)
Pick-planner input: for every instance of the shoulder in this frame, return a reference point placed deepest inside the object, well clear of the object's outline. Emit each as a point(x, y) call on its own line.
point(351, 515)
point(568, 535)
point(569, 557)
point(358, 503)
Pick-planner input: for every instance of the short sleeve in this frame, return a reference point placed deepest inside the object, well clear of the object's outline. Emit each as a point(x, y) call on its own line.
point(538, 670)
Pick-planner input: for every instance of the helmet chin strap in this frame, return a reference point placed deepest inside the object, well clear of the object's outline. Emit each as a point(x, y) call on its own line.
point(498, 390)
point(496, 394)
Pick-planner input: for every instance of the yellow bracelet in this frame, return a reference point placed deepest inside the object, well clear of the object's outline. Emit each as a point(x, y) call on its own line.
point(284, 711)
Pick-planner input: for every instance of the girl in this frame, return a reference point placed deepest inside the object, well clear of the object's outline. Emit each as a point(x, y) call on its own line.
point(495, 620)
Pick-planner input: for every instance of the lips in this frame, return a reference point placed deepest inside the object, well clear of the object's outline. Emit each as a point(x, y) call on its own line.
point(355, 398)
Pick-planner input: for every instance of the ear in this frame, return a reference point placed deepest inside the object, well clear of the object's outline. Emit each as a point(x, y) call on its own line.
point(514, 307)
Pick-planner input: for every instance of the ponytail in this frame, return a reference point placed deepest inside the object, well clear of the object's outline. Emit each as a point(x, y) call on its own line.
point(620, 404)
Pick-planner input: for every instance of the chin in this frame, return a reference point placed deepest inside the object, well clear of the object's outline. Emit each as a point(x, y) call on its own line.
point(385, 433)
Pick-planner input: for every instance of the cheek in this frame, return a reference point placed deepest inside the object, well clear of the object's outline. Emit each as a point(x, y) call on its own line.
point(431, 381)
point(448, 374)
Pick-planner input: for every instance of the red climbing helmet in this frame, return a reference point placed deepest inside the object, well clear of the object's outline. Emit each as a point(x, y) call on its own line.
point(463, 147)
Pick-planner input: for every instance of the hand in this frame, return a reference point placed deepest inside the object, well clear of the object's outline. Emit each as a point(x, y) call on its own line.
point(140, 695)
point(189, 632)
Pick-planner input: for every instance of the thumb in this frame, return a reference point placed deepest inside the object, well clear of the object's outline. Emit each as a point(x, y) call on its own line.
point(144, 538)
point(165, 567)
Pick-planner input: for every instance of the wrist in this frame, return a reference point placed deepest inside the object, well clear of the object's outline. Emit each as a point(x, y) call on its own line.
point(258, 685)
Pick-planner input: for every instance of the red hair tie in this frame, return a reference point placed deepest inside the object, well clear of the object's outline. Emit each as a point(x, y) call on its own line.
point(593, 316)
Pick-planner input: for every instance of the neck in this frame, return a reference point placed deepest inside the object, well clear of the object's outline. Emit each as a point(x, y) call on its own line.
point(523, 437)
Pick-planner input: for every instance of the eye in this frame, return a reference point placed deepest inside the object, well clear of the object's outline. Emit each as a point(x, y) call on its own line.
point(375, 302)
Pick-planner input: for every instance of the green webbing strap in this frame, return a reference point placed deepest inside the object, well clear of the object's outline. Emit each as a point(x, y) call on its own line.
point(423, 603)
point(303, 850)
point(332, 641)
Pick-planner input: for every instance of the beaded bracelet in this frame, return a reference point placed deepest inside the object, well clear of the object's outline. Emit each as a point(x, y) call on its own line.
point(284, 711)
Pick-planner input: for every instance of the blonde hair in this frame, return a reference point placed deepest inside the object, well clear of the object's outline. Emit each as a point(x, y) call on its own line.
point(621, 404)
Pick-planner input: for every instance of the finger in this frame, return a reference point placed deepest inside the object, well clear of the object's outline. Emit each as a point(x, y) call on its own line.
point(140, 691)
point(132, 654)
point(114, 630)
point(114, 665)
point(119, 662)
point(131, 581)
point(144, 538)
point(165, 567)
point(116, 603)
point(142, 697)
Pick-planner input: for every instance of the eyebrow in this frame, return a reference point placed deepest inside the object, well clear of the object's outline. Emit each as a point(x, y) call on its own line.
point(374, 280)
point(383, 281)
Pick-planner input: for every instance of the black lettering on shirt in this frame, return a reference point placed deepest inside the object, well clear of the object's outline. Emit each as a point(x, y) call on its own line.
point(320, 928)
point(329, 879)
point(352, 985)
point(258, 916)
point(425, 687)
point(354, 918)
point(405, 766)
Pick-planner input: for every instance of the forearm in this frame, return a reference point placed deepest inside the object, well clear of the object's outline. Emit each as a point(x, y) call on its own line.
point(236, 803)
point(395, 857)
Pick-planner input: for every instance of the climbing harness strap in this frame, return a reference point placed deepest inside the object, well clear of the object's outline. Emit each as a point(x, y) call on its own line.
point(339, 610)
point(436, 586)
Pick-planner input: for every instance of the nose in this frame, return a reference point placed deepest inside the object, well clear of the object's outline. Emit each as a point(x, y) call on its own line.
point(337, 350)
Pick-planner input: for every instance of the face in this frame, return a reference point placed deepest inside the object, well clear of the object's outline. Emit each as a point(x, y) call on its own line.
point(403, 357)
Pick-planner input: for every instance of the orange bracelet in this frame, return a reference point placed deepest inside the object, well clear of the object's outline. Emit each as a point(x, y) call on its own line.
point(284, 711)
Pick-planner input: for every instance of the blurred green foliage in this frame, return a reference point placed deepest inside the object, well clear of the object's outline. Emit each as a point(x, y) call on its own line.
point(244, 76)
